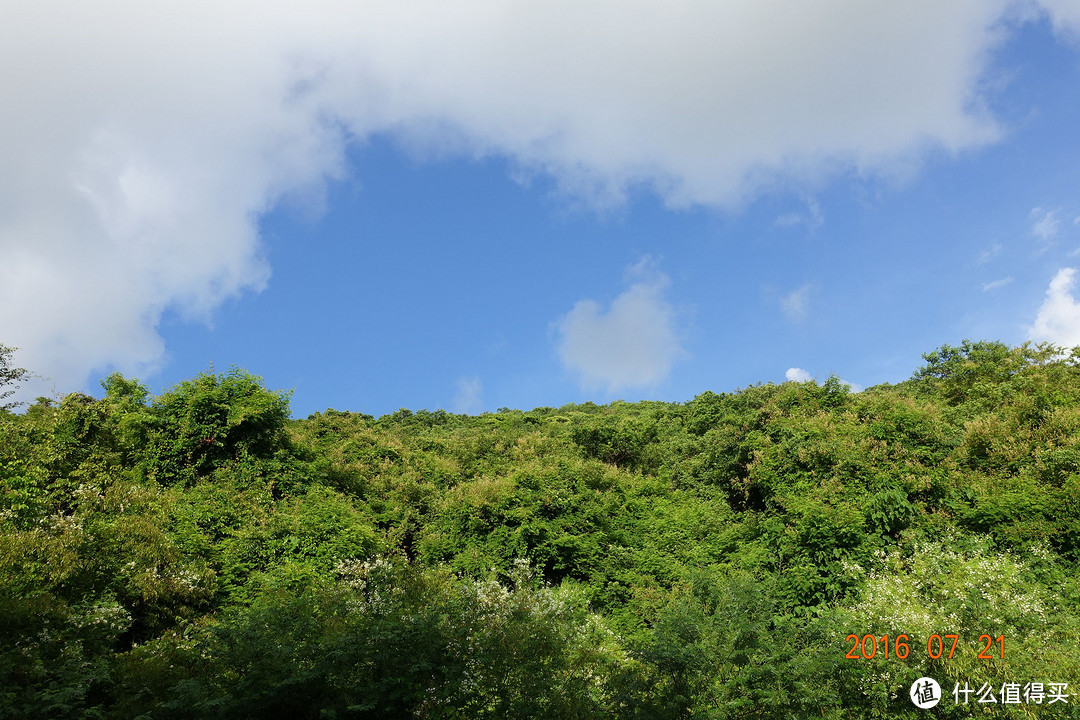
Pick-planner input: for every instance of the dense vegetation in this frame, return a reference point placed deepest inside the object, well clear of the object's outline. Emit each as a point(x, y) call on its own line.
point(201, 555)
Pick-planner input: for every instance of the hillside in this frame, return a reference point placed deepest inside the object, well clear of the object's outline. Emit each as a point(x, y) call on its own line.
point(200, 554)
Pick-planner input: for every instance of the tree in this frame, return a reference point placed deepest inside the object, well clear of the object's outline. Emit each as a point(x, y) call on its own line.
point(957, 373)
point(9, 375)
point(206, 423)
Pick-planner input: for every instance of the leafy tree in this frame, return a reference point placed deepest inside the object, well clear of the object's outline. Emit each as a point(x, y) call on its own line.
point(957, 372)
point(9, 376)
point(205, 423)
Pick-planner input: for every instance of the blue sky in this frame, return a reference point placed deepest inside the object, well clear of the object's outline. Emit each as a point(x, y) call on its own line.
point(490, 208)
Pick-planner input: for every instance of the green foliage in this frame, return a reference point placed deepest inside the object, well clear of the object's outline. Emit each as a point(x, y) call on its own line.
point(204, 423)
point(377, 639)
point(9, 376)
point(199, 554)
point(979, 369)
point(963, 584)
point(612, 441)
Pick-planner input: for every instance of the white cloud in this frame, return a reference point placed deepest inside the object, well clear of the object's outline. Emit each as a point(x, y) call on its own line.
point(994, 285)
point(1045, 224)
point(1065, 15)
point(813, 218)
point(1058, 318)
point(138, 148)
point(632, 344)
point(852, 387)
point(798, 375)
point(469, 397)
point(796, 303)
point(989, 254)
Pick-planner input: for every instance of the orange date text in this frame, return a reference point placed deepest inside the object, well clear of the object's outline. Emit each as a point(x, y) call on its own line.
point(867, 647)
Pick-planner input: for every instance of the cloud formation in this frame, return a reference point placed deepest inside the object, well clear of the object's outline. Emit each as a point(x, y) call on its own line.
point(469, 398)
point(812, 219)
point(1058, 318)
point(796, 303)
point(1065, 16)
point(138, 147)
point(989, 254)
point(1044, 224)
point(798, 375)
point(631, 344)
point(995, 284)
point(852, 387)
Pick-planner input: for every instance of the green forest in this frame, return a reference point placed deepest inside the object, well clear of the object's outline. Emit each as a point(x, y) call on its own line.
point(783, 551)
